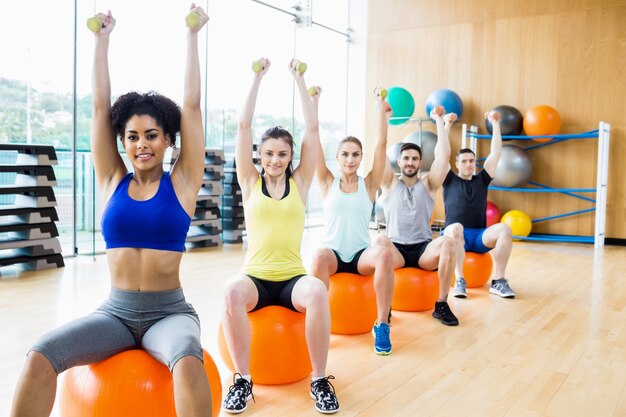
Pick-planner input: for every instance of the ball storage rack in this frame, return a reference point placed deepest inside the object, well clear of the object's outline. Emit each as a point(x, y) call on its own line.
point(470, 137)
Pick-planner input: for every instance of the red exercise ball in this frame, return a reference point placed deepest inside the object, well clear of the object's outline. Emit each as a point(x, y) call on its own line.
point(477, 269)
point(352, 303)
point(493, 214)
point(415, 289)
point(131, 383)
point(542, 120)
point(278, 349)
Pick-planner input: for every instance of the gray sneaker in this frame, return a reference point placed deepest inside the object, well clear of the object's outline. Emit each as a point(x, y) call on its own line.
point(501, 288)
point(459, 288)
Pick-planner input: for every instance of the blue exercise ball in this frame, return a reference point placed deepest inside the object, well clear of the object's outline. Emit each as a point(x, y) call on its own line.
point(450, 100)
point(514, 167)
point(511, 120)
point(401, 103)
point(426, 141)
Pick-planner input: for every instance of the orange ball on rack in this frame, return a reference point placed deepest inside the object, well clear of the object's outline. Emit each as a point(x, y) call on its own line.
point(542, 120)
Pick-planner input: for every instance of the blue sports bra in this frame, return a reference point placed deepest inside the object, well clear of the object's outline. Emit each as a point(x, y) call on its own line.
point(158, 223)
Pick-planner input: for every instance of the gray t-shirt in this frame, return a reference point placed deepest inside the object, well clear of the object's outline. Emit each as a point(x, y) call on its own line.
point(408, 212)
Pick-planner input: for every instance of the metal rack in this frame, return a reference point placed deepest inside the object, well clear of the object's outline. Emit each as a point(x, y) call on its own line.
point(603, 133)
point(28, 233)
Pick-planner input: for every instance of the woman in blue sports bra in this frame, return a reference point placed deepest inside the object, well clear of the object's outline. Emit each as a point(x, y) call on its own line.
point(145, 222)
point(348, 201)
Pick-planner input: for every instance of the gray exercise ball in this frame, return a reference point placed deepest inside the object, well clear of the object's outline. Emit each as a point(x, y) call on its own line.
point(426, 140)
point(514, 167)
point(511, 120)
point(393, 152)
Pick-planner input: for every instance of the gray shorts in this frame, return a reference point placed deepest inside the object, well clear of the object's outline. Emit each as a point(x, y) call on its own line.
point(161, 322)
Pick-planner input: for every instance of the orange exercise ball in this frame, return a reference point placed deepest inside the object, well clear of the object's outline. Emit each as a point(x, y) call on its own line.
point(518, 221)
point(477, 269)
point(131, 383)
point(278, 349)
point(542, 120)
point(415, 289)
point(352, 303)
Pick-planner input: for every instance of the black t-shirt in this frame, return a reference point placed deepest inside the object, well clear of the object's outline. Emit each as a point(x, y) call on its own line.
point(465, 201)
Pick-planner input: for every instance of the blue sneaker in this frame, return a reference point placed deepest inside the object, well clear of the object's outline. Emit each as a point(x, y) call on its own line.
point(382, 344)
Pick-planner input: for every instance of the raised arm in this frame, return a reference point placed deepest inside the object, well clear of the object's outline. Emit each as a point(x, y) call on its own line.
point(375, 177)
point(496, 143)
point(323, 174)
point(246, 171)
point(441, 164)
point(389, 178)
point(107, 161)
point(303, 174)
point(189, 167)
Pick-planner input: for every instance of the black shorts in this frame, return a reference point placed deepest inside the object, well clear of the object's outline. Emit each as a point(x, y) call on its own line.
point(350, 267)
point(412, 252)
point(273, 293)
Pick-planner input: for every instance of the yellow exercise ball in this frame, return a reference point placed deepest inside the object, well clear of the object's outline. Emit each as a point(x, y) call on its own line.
point(518, 221)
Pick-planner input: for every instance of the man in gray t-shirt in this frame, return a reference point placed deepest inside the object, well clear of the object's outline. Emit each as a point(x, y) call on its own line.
point(408, 203)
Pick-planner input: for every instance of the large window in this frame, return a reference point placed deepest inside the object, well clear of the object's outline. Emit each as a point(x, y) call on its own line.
point(45, 80)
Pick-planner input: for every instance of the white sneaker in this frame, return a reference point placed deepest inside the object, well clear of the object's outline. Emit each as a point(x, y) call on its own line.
point(501, 288)
point(459, 288)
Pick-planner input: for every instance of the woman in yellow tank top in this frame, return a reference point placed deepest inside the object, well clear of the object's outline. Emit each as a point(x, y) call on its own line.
point(273, 274)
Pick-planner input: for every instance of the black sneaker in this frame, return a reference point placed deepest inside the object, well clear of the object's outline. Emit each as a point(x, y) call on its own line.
point(323, 392)
point(442, 312)
point(238, 395)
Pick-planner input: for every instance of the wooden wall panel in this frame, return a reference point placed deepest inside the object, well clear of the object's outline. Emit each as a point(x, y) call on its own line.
point(567, 54)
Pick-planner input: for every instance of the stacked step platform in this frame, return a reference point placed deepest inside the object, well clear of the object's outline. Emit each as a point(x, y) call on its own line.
point(206, 224)
point(28, 233)
point(232, 202)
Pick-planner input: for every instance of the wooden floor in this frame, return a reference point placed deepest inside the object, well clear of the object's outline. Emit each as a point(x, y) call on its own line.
point(558, 349)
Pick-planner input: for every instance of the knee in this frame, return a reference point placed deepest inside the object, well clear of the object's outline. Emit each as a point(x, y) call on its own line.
point(38, 365)
point(505, 231)
point(188, 365)
point(321, 258)
point(448, 247)
point(384, 258)
point(234, 297)
point(189, 370)
point(380, 240)
point(316, 294)
point(455, 231)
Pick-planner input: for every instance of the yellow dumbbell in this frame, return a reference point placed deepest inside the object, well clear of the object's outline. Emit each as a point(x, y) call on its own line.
point(94, 24)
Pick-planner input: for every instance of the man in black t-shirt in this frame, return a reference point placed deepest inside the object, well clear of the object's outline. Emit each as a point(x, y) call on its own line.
point(465, 201)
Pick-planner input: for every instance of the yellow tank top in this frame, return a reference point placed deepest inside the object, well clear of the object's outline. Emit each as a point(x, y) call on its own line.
point(274, 230)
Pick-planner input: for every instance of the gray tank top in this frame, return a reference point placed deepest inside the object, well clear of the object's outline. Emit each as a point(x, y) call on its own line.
point(408, 212)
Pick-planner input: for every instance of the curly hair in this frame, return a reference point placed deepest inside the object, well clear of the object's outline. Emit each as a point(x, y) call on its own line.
point(164, 111)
